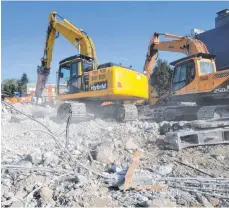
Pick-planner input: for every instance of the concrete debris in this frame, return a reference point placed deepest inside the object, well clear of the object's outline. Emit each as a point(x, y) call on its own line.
point(17, 203)
point(182, 202)
point(206, 203)
point(8, 195)
point(25, 163)
point(35, 157)
point(131, 145)
point(184, 139)
point(50, 158)
point(162, 203)
point(38, 172)
point(47, 194)
point(105, 152)
point(220, 157)
point(186, 199)
point(97, 201)
point(142, 201)
point(214, 202)
point(6, 182)
point(165, 169)
point(132, 130)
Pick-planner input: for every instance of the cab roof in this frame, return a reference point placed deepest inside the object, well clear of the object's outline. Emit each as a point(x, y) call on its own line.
point(203, 55)
point(74, 57)
point(109, 64)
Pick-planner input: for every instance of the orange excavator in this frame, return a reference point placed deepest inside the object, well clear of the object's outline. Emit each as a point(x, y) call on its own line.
point(194, 79)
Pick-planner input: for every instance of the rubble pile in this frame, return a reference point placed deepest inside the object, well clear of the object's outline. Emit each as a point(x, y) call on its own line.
point(40, 169)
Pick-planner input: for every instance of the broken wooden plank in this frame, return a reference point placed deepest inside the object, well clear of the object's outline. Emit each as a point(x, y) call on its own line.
point(131, 170)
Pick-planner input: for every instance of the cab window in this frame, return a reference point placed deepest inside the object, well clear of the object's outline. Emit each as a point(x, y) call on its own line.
point(176, 77)
point(63, 78)
point(74, 69)
point(179, 78)
point(191, 71)
point(87, 66)
point(206, 67)
point(183, 75)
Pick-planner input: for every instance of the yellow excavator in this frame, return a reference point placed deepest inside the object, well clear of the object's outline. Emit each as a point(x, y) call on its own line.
point(194, 79)
point(85, 87)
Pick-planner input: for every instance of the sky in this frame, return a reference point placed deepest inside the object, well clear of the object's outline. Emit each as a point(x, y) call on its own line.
point(121, 31)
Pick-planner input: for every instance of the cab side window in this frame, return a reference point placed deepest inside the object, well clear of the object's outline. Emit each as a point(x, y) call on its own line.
point(176, 76)
point(74, 70)
point(191, 72)
point(183, 75)
point(179, 78)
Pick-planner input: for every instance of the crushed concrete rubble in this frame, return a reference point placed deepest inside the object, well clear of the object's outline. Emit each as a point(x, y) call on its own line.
point(38, 171)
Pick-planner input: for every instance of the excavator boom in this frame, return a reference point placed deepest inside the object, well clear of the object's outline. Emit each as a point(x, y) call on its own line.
point(75, 36)
point(181, 44)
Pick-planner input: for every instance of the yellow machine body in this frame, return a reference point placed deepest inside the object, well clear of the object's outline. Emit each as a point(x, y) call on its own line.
point(114, 83)
point(81, 77)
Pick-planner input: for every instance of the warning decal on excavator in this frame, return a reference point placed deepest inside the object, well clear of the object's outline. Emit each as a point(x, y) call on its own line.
point(99, 86)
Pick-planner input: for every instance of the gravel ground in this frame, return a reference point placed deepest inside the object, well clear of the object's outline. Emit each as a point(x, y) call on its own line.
point(46, 175)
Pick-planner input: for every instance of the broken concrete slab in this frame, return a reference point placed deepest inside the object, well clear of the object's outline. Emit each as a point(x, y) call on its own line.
point(183, 139)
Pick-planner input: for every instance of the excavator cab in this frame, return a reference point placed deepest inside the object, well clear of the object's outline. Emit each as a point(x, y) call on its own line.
point(190, 71)
point(73, 74)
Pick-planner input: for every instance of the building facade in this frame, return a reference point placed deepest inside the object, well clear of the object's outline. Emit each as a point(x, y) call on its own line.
point(217, 39)
point(49, 91)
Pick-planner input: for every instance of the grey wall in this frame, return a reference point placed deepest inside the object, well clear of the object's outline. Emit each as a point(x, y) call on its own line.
point(217, 42)
point(222, 18)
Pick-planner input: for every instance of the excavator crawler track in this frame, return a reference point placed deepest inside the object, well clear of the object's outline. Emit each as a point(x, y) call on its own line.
point(213, 112)
point(174, 113)
point(122, 113)
point(78, 111)
point(127, 112)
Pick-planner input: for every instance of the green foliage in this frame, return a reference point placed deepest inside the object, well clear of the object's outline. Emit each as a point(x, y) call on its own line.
point(24, 79)
point(160, 78)
point(22, 84)
point(10, 86)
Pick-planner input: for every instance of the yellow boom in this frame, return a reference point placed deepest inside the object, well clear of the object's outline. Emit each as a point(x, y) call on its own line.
point(81, 41)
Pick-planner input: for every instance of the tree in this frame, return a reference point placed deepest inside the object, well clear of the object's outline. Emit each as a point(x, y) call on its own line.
point(160, 79)
point(9, 87)
point(22, 88)
point(24, 79)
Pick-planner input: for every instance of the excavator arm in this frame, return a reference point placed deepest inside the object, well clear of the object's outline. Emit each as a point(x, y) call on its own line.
point(75, 36)
point(179, 44)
